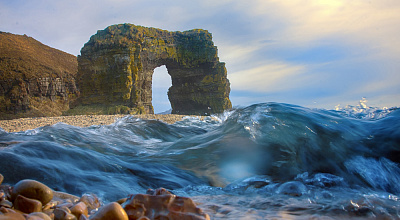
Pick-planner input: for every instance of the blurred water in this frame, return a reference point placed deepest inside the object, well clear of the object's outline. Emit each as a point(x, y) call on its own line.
point(269, 160)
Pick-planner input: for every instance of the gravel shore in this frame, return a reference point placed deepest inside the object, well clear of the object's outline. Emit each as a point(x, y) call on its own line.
point(23, 124)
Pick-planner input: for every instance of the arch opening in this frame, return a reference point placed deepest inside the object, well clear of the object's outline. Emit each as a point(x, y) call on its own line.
point(116, 68)
point(161, 82)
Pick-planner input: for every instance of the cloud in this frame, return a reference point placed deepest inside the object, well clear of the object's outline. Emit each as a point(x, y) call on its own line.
point(386, 85)
point(270, 77)
point(371, 24)
point(325, 49)
point(343, 49)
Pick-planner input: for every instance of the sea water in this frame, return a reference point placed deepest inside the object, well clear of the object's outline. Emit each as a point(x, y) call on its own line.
point(264, 161)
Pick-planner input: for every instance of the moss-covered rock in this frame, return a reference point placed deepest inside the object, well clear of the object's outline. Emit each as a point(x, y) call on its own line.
point(116, 66)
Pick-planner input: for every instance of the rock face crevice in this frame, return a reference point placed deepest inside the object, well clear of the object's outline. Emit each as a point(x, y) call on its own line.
point(35, 79)
point(116, 67)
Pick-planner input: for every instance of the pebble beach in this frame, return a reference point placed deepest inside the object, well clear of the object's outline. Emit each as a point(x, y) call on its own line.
point(23, 124)
point(33, 200)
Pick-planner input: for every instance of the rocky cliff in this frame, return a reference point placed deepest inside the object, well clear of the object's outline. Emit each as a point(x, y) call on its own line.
point(116, 66)
point(35, 80)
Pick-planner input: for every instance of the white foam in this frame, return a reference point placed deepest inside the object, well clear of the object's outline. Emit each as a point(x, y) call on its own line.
point(363, 111)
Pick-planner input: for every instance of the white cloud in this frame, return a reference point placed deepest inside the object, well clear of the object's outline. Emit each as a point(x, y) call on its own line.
point(363, 33)
point(273, 76)
point(373, 25)
point(256, 38)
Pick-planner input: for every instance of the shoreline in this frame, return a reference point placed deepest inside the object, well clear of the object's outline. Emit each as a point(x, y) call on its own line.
point(23, 124)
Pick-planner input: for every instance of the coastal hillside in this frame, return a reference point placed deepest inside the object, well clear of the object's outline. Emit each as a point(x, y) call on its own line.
point(35, 79)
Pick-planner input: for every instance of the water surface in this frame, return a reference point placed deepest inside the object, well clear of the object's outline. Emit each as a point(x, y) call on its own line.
point(269, 160)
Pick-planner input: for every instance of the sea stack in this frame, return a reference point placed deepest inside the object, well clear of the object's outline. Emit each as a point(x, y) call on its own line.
point(116, 66)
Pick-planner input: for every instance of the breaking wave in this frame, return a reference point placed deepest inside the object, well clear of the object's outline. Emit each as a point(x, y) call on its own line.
point(269, 160)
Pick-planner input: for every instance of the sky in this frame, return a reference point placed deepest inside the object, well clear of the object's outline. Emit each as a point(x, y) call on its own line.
point(313, 53)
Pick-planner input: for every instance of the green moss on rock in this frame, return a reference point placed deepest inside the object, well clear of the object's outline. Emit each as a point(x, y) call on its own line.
point(116, 67)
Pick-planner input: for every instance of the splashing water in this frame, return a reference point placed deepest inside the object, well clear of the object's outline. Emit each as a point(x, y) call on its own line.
point(363, 111)
point(263, 161)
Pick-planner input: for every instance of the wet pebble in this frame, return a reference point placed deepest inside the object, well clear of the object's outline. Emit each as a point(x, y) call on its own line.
point(121, 201)
point(63, 214)
point(110, 211)
point(79, 209)
point(6, 203)
point(65, 205)
point(38, 216)
point(11, 215)
point(1, 179)
point(27, 205)
point(91, 201)
point(27, 197)
point(6, 190)
point(162, 204)
point(50, 205)
point(65, 196)
point(34, 190)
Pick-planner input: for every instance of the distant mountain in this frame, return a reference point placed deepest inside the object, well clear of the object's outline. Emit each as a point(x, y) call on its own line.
point(35, 79)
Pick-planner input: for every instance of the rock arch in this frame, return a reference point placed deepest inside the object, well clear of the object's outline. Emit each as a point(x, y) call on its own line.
point(116, 66)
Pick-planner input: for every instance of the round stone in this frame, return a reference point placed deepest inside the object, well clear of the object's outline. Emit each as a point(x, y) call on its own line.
point(63, 214)
point(110, 211)
point(6, 204)
point(34, 190)
point(1, 179)
point(11, 216)
point(121, 201)
point(162, 204)
point(38, 216)
point(79, 209)
point(65, 196)
point(91, 201)
point(27, 205)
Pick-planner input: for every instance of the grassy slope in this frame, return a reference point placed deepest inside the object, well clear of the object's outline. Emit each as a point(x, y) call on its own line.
point(23, 58)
